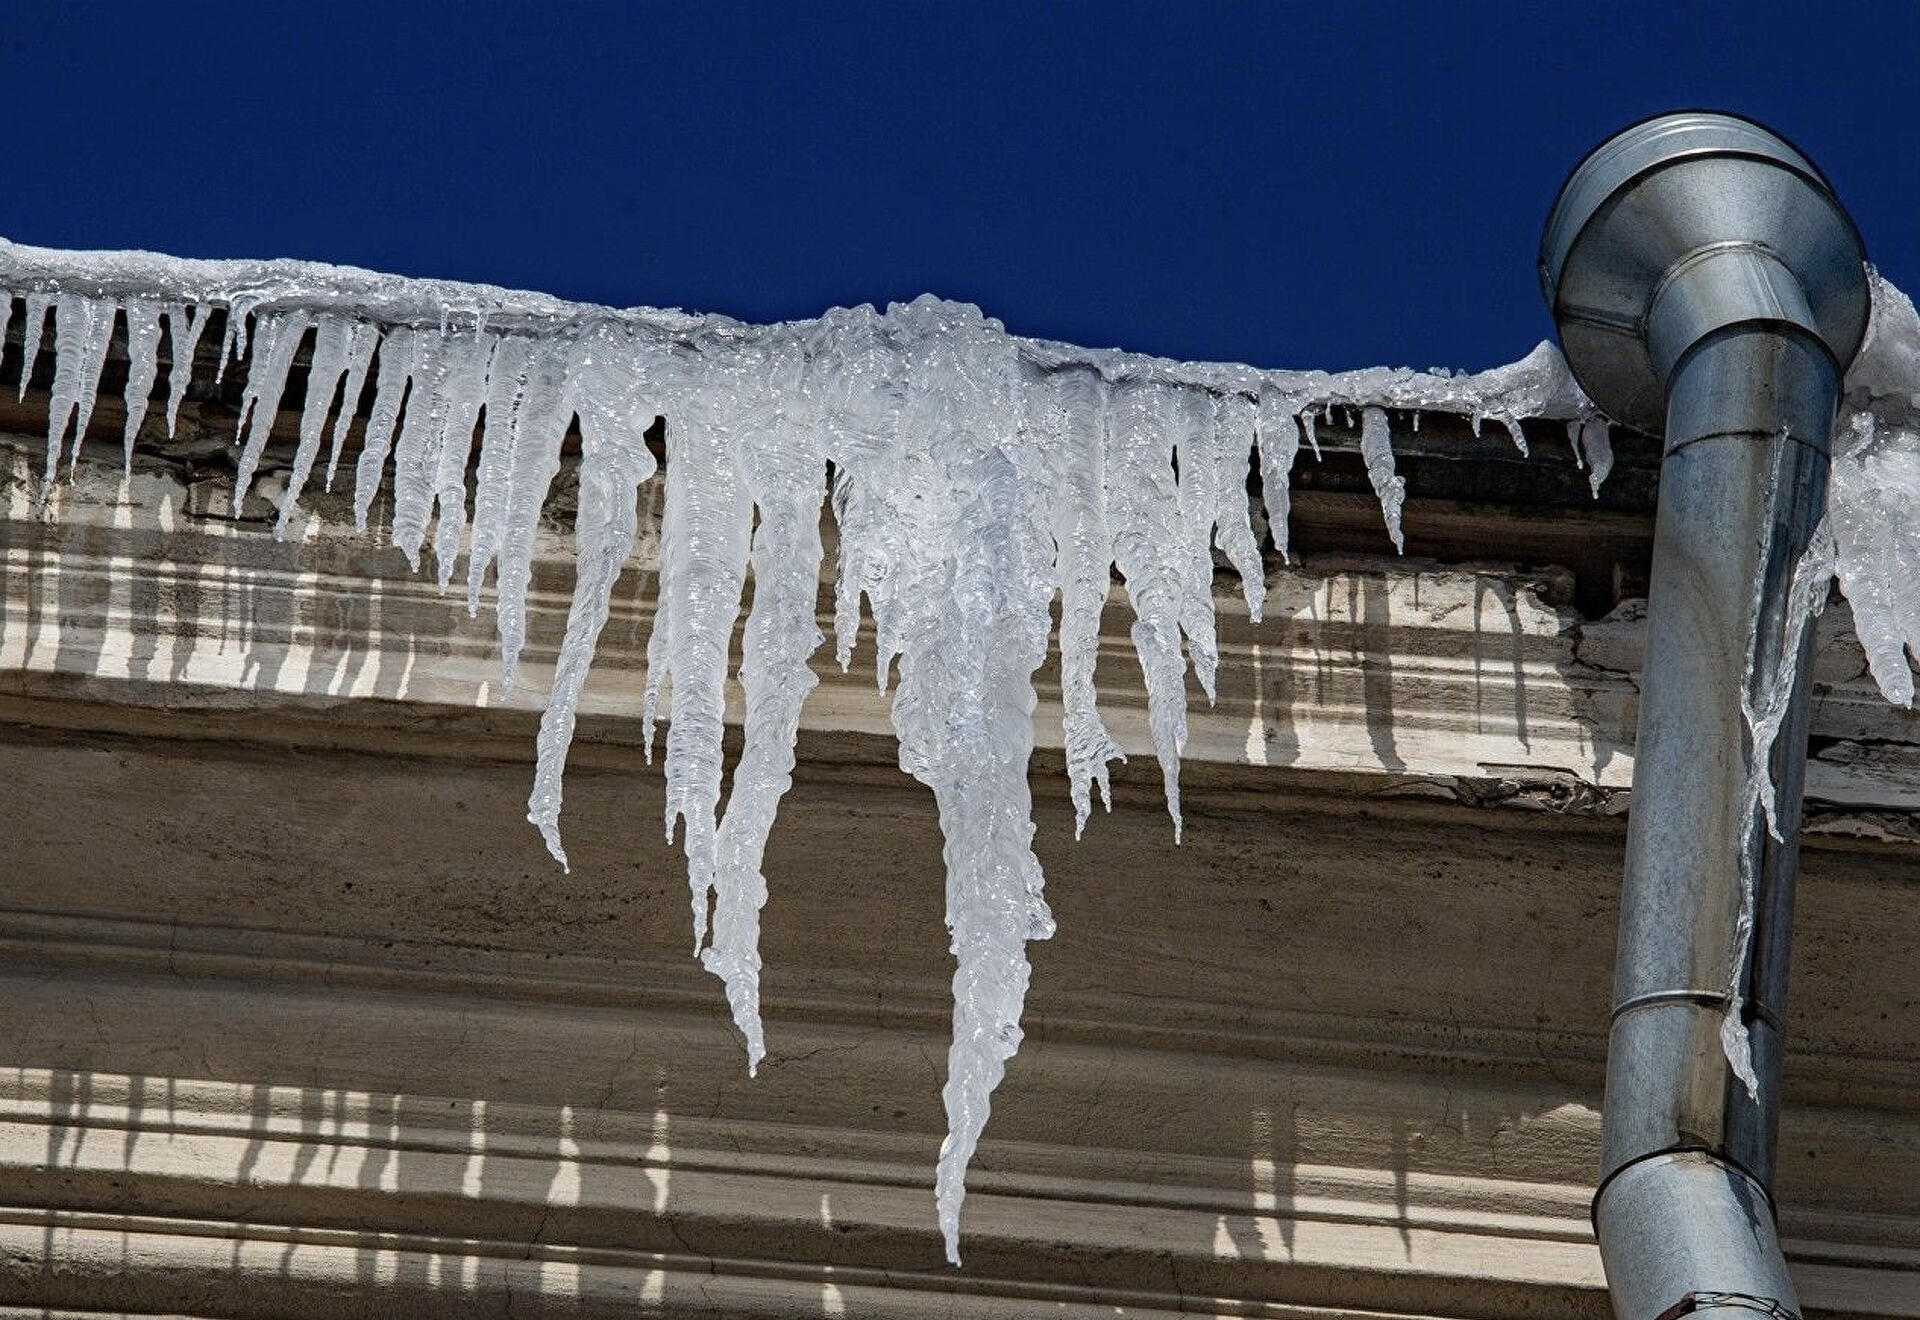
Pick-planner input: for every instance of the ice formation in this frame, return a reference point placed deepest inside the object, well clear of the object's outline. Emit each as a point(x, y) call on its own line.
point(1869, 541)
point(972, 475)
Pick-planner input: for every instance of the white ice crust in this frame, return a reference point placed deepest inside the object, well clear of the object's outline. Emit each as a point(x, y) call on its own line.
point(972, 475)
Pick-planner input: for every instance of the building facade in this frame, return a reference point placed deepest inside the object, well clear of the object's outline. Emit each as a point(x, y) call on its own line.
point(300, 1020)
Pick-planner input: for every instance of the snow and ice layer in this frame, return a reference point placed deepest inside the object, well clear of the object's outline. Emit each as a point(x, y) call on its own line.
point(972, 476)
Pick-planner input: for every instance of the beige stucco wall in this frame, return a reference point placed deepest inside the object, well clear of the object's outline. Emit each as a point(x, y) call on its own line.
point(299, 1020)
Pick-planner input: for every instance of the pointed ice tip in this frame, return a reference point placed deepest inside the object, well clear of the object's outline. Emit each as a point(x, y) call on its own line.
point(1737, 1044)
point(551, 833)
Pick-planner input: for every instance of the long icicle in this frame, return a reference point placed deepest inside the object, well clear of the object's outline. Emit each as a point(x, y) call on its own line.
point(143, 368)
point(784, 462)
point(1764, 712)
point(275, 338)
point(1068, 410)
point(83, 327)
point(539, 428)
point(614, 460)
point(1143, 504)
point(332, 338)
point(702, 571)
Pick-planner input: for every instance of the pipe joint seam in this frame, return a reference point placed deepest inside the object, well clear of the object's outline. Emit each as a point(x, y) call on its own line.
point(1714, 1000)
point(1751, 437)
point(1717, 287)
point(1683, 1148)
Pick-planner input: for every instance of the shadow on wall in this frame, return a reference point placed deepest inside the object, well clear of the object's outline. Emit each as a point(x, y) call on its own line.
point(125, 580)
point(301, 1202)
point(1425, 671)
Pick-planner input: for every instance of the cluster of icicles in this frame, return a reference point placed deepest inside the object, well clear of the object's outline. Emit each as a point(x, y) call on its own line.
point(972, 475)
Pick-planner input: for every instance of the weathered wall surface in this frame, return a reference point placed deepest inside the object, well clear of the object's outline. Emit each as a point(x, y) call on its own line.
point(299, 1020)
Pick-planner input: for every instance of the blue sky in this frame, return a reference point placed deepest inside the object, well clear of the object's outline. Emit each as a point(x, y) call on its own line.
point(1334, 185)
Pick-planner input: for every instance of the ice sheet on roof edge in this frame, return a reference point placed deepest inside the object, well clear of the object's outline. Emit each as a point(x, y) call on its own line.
point(975, 473)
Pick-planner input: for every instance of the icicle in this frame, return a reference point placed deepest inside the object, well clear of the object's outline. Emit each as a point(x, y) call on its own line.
point(1068, 411)
point(362, 338)
point(702, 569)
point(1376, 448)
point(466, 388)
point(229, 340)
point(1764, 711)
point(860, 393)
point(415, 450)
point(436, 436)
point(1279, 446)
point(83, 327)
point(183, 341)
point(784, 461)
point(848, 503)
point(143, 368)
point(397, 354)
point(1313, 435)
point(1141, 502)
point(614, 460)
point(506, 387)
point(333, 337)
point(1233, 448)
point(276, 340)
point(1514, 430)
point(1195, 437)
point(37, 305)
point(971, 618)
point(1875, 507)
point(539, 426)
point(1597, 444)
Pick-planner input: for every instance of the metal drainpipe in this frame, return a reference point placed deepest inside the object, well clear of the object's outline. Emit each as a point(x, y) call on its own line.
point(1709, 288)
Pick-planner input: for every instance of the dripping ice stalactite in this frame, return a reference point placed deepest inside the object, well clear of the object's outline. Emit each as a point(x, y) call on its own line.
point(975, 474)
point(1869, 541)
point(1377, 451)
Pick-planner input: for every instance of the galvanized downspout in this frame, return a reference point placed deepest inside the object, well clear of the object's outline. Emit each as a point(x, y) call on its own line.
point(1708, 288)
